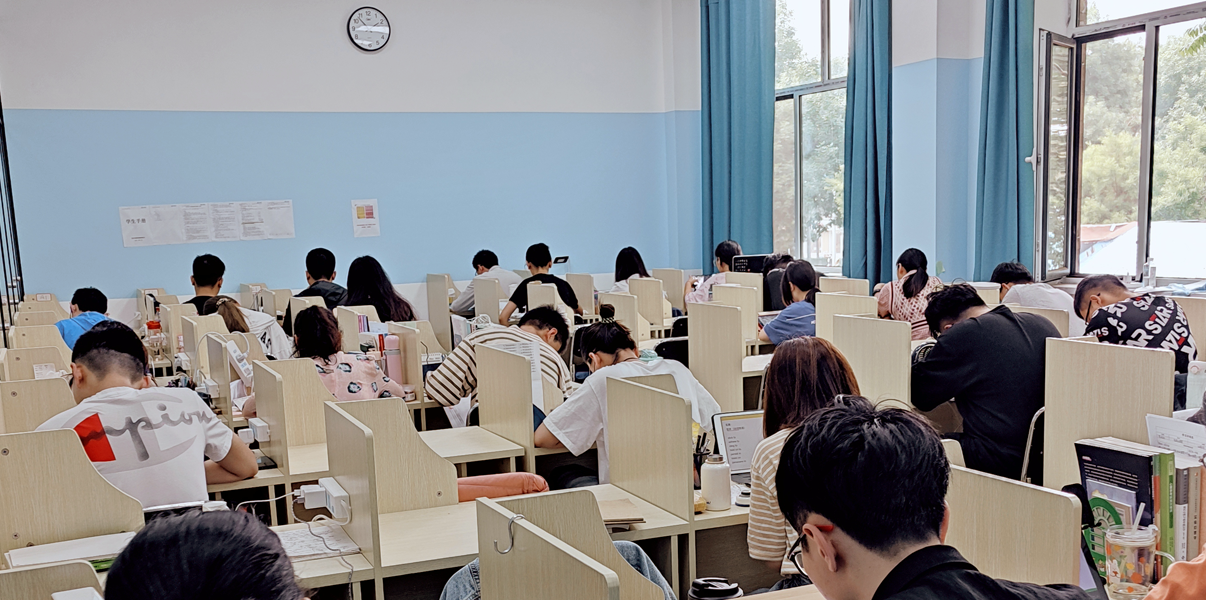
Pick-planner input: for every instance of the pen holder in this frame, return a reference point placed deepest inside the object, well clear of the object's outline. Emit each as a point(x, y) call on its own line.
point(698, 459)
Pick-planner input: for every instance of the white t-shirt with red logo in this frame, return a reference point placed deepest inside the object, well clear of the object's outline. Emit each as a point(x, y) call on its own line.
point(150, 443)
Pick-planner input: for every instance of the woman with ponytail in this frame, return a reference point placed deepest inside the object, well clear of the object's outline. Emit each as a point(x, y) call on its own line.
point(799, 318)
point(906, 298)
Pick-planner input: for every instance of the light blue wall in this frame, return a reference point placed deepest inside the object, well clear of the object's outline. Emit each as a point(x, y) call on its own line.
point(448, 184)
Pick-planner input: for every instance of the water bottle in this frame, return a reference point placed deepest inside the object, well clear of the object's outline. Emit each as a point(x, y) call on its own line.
point(714, 480)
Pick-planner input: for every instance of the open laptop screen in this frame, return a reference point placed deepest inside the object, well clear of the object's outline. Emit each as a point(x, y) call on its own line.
point(739, 434)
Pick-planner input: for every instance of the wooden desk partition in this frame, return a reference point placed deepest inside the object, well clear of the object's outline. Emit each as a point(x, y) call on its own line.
point(648, 437)
point(1041, 544)
point(19, 363)
point(716, 348)
point(38, 336)
point(1195, 312)
point(1058, 317)
point(297, 305)
point(573, 517)
point(830, 304)
point(879, 351)
point(989, 292)
point(752, 280)
point(523, 273)
point(146, 305)
point(353, 465)
point(348, 318)
point(42, 581)
point(543, 294)
point(44, 306)
point(650, 300)
point(487, 294)
point(169, 318)
point(194, 329)
point(412, 356)
point(838, 285)
point(748, 299)
point(51, 492)
point(27, 403)
point(542, 567)
point(504, 397)
point(218, 367)
point(673, 282)
point(1095, 390)
point(37, 317)
point(627, 314)
point(289, 397)
point(584, 288)
point(438, 286)
point(248, 292)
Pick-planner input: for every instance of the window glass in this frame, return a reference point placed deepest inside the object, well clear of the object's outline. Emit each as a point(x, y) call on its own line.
point(1096, 11)
point(797, 42)
point(822, 147)
point(839, 37)
point(785, 216)
point(1057, 157)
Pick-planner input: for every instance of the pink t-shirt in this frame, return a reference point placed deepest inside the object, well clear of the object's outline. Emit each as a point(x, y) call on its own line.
point(356, 377)
point(893, 302)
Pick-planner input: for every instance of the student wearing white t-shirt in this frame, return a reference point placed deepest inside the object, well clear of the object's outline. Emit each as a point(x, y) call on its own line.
point(1018, 287)
point(581, 422)
point(150, 442)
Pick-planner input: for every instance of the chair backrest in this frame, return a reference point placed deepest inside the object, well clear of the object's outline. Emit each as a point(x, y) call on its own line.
point(649, 445)
point(650, 301)
point(27, 403)
point(22, 363)
point(1058, 317)
point(675, 349)
point(716, 348)
point(627, 314)
point(840, 303)
point(51, 492)
point(584, 288)
point(42, 581)
point(1042, 547)
point(838, 285)
point(39, 317)
point(289, 397)
point(679, 327)
point(673, 282)
point(879, 351)
point(487, 294)
point(348, 318)
point(1097, 390)
point(439, 286)
point(38, 336)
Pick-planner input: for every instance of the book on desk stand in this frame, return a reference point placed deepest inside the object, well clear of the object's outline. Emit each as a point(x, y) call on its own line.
point(620, 515)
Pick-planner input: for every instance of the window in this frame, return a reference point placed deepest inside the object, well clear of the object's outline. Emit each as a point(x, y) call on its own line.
point(812, 47)
point(1123, 132)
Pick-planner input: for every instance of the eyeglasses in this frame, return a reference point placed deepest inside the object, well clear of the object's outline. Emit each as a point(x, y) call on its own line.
point(793, 553)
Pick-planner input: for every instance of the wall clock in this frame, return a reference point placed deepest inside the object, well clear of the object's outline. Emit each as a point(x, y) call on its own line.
point(368, 29)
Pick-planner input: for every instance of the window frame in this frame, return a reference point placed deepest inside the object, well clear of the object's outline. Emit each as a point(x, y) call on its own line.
point(795, 94)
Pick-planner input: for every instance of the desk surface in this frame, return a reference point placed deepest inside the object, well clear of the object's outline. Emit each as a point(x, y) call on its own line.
point(468, 444)
point(325, 572)
point(808, 592)
point(309, 462)
point(737, 515)
point(753, 366)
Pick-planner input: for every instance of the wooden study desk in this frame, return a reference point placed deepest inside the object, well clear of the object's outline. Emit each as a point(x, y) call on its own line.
point(328, 572)
point(754, 366)
point(808, 592)
point(463, 445)
point(737, 515)
point(308, 462)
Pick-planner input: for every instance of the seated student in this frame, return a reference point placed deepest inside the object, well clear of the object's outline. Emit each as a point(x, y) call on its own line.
point(207, 279)
point(1116, 316)
point(368, 285)
point(904, 299)
point(581, 421)
point(456, 377)
point(1018, 287)
point(88, 307)
point(836, 471)
point(263, 326)
point(992, 362)
point(212, 556)
point(539, 261)
point(799, 318)
point(485, 264)
point(630, 265)
point(805, 375)
point(699, 289)
point(149, 442)
point(320, 276)
point(347, 376)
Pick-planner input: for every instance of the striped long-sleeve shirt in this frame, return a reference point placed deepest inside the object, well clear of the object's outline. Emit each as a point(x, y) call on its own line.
point(769, 535)
point(456, 378)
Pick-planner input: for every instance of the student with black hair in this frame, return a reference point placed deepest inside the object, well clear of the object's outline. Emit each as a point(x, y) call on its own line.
point(581, 421)
point(206, 279)
point(347, 375)
point(539, 261)
point(835, 473)
point(203, 556)
point(88, 307)
point(485, 265)
point(799, 289)
point(992, 362)
point(369, 285)
point(149, 442)
point(263, 326)
point(699, 289)
point(1018, 287)
point(320, 276)
point(904, 299)
point(629, 264)
point(1115, 315)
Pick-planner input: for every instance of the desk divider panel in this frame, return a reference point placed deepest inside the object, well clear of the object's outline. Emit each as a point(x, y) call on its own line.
point(222, 373)
point(194, 329)
point(438, 314)
point(38, 336)
point(348, 318)
point(297, 305)
point(539, 566)
point(282, 298)
point(1095, 390)
point(716, 348)
point(410, 475)
point(879, 351)
point(748, 299)
point(169, 319)
point(19, 362)
point(44, 306)
point(353, 464)
point(289, 398)
point(573, 517)
point(427, 342)
point(989, 292)
point(584, 288)
point(37, 317)
point(42, 581)
point(753, 280)
point(51, 492)
point(664, 382)
point(830, 304)
point(523, 273)
point(649, 446)
point(954, 453)
point(146, 306)
point(837, 285)
point(487, 293)
point(1058, 317)
point(1044, 549)
point(673, 282)
point(504, 397)
point(1195, 312)
point(650, 301)
point(25, 404)
point(627, 314)
point(543, 294)
point(247, 293)
point(412, 359)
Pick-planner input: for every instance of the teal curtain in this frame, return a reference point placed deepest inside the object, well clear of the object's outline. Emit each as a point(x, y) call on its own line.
point(867, 218)
point(737, 40)
point(1005, 182)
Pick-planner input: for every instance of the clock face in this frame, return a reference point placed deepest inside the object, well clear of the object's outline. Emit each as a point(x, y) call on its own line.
point(368, 29)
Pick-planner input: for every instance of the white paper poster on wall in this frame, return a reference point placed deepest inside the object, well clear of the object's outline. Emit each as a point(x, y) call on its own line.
point(197, 223)
point(366, 221)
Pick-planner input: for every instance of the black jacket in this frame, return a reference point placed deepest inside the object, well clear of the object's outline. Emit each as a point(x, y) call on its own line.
point(941, 572)
point(332, 293)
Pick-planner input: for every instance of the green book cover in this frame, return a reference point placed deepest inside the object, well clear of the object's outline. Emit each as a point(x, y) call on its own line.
point(1168, 489)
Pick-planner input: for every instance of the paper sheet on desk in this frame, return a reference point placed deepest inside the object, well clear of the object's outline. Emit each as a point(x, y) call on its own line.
point(1185, 439)
point(301, 545)
point(530, 351)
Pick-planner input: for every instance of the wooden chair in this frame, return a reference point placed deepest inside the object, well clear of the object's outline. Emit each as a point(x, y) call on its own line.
point(42, 581)
point(26, 404)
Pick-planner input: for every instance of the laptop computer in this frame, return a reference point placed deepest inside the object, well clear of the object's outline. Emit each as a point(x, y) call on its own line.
point(738, 434)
